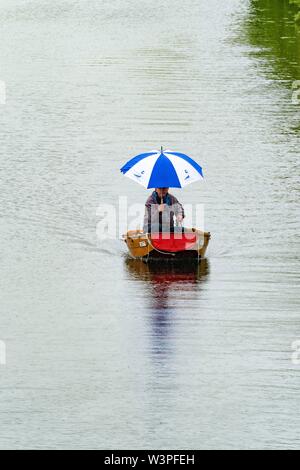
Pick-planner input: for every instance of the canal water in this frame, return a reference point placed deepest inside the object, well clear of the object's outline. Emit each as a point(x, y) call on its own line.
point(101, 351)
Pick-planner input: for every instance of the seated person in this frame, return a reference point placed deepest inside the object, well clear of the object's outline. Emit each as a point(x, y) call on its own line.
point(161, 209)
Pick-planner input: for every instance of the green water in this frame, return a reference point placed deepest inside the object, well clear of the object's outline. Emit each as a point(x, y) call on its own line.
point(270, 27)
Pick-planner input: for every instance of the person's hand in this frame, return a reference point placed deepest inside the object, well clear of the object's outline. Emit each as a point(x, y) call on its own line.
point(179, 218)
point(161, 208)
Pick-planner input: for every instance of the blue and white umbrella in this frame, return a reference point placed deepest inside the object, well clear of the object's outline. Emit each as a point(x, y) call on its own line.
point(164, 169)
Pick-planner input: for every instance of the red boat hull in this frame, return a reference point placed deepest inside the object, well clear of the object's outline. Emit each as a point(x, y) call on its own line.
point(173, 243)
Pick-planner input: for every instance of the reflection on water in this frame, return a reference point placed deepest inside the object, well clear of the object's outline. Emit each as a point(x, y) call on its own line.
point(270, 27)
point(168, 274)
point(165, 283)
point(163, 280)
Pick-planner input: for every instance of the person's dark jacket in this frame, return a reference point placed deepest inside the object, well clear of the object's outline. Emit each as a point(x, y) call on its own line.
point(165, 220)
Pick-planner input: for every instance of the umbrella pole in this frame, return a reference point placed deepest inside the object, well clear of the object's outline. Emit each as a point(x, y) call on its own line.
point(161, 199)
point(161, 228)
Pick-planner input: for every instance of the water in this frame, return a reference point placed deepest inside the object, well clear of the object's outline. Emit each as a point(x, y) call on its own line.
point(107, 353)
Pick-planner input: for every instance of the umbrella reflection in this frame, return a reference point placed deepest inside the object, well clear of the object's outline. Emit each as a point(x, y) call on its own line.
point(168, 288)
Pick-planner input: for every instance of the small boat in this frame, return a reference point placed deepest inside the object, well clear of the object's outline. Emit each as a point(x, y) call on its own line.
point(190, 245)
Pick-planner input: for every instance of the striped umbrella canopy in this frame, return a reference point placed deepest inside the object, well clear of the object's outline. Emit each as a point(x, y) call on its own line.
point(163, 169)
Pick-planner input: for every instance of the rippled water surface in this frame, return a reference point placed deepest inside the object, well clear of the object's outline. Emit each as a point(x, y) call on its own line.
point(103, 352)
